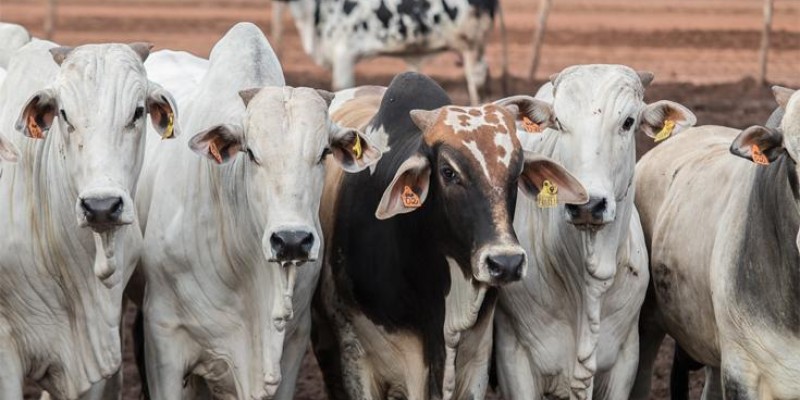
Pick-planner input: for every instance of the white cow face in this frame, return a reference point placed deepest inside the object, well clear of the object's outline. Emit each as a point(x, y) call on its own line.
point(597, 109)
point(98, 105)
point(286, 135)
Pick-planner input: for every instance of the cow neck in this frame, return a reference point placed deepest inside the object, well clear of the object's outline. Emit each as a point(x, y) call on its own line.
point(393, 271)
point(766, 280)
point(64, 255)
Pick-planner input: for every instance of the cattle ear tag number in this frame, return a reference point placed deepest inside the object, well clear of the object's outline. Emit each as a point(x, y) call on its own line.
point(33, 128)
point(758, 156)
point(411, 199)
point(666, 131)
point(357, 148)
point(170, 127)
point(214, 150)
point(530, 126)
point(548, 196)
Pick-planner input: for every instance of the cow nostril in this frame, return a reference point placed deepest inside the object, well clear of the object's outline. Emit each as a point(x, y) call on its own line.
point(116, 209)
point(573, 210)
point(307, 242)
point(276, 242)
point(599, 206)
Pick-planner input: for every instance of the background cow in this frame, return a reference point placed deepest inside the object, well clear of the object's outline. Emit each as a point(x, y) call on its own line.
point(227, 298)
point(725, 272)
point(72, 239)
point(336, 34)
point(417, 246)
point(575, 314)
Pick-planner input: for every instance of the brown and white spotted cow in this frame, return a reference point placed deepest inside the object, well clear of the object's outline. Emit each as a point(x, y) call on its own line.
point(407, 291)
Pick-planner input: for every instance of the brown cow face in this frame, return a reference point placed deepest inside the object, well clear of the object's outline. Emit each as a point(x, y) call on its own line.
point(469, 169)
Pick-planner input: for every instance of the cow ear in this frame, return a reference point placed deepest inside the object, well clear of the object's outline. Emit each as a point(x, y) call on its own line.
point(408, 189)
point(782, 95)
point(768, 141)
point(163, 111)
point(664, 118)
point(38, 114)
point(352, 150)
point(8, 152)
point(539, 169)
point(531, 114)
point(219, 143)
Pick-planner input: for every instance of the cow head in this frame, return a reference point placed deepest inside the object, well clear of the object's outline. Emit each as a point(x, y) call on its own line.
point(286, 134)
point(597, 110)
point(773, 143)
point(469, 166)
point(98, 103)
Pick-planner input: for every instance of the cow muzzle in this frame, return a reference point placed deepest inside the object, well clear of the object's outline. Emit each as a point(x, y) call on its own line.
point(104, 210)
point(501, 265)
point(292, 246)
point(594, 215)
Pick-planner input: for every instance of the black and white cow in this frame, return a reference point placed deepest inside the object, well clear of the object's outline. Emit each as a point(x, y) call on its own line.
point(417, 247)
point(337, 33)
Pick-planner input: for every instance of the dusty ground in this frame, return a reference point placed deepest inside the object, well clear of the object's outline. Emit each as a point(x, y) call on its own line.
point(703, 53)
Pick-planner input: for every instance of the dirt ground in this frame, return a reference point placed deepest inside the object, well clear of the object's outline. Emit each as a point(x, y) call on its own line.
point(703, 53)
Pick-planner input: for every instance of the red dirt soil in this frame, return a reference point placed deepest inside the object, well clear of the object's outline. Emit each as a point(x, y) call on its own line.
point(703, 53)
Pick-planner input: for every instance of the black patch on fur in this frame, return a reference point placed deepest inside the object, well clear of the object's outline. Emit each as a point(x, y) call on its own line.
point(348, 6)
point(767, 278)
point(384, 15)
point(437, 19)
point(451, 12)
point(401, 29)
point(485, 6)
point(317, 14)
point(416, 10)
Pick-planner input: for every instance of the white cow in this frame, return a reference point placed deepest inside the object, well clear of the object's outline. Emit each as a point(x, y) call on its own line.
point(723, 230)
point(71, 239)
point(574, 316)
point(227, 300)
point(339, 33)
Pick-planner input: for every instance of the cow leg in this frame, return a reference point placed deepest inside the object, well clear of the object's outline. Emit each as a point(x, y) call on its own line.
point(738, 381)
point(164, 364)
point(106, 389)
point(713, 387)
point(344, 70)
point(10, 373)
point(617, 382)
point(514, 372)
point(476, 72)
point(295, 348)
point(651, 334)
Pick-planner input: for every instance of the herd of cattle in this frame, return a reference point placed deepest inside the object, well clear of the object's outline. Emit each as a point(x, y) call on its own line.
point(383, 225)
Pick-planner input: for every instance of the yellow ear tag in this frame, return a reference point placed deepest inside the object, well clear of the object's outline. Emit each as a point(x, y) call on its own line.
point(411, 199)
point(530, 126)
point(666, 131)
point(548, 197)
point(170, 126)
point(212, 148)
point(357, 147)
point(758, 156)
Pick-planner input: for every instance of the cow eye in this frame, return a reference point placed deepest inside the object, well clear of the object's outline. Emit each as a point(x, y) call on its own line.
point(70, 128)
point(137, 114)
point(252, 156)
point(627, 124)
point(448, 174)
point(324, 154)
